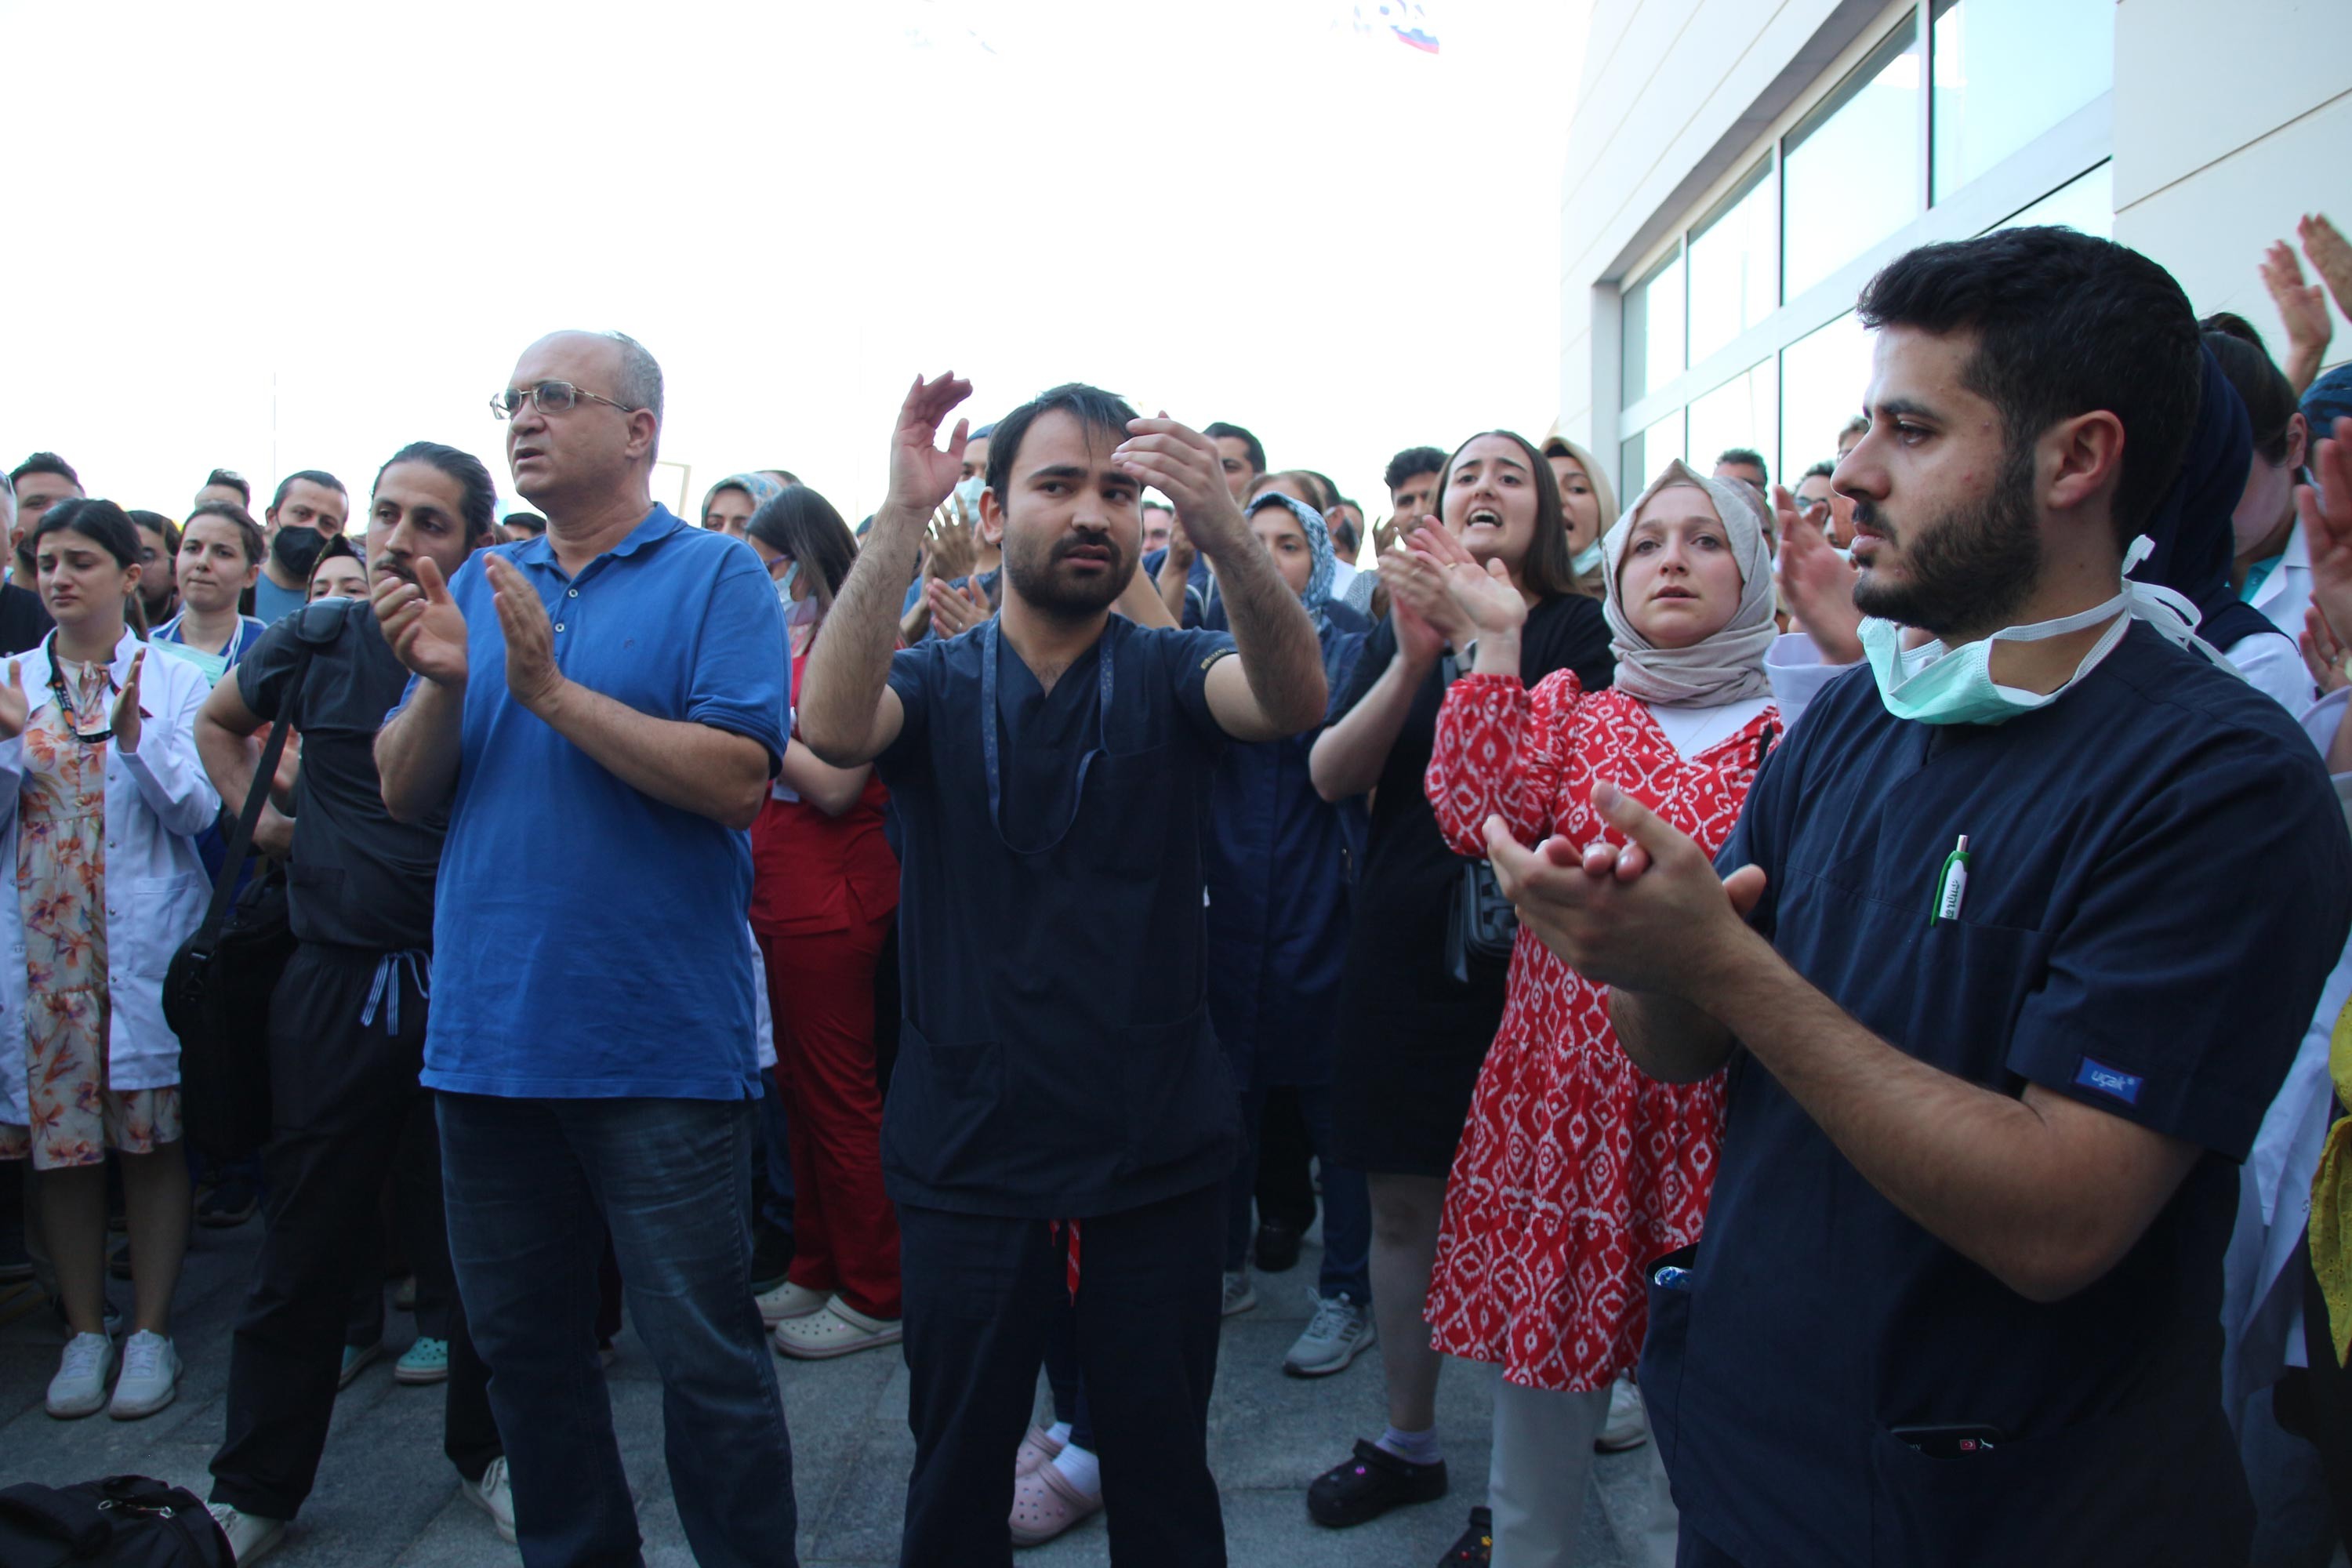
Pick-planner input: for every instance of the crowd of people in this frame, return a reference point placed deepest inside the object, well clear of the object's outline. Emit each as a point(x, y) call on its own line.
point(1828, 988)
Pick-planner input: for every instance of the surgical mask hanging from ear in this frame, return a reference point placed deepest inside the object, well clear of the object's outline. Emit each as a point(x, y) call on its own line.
point(1932, 684)
point(967, 495)
point(796, 611)
point(1586, 560)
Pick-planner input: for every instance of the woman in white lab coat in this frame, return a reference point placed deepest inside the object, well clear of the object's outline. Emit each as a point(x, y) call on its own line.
point(100, 797)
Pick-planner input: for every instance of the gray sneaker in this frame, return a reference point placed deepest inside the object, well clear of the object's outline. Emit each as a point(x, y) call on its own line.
point(1240, 1294)
point(1340, 1331)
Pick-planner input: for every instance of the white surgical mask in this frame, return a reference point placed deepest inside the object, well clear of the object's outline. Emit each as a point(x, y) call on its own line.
point(1586, 559)
point(967, 495)
point(1933, 684)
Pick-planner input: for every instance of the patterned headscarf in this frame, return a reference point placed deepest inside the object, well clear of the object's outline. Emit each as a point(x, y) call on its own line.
point(759, 487)
point(1728, 666)
point(1317, 597)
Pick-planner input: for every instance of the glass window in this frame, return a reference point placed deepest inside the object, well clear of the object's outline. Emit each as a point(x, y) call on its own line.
point(1644, 454)
point(1823, 378)
point(1849, 172)
point(1743, 412)
point(1653, 330)
point(1733, 284)
point(2008, 70)
point(2087, 202)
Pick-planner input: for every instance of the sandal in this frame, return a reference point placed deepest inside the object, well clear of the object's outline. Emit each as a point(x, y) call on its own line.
point(1371, 1484)
point(1476, 1545)
point(1044, 1504)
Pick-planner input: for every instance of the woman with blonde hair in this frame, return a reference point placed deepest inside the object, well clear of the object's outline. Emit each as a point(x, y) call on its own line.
point(1587, 504)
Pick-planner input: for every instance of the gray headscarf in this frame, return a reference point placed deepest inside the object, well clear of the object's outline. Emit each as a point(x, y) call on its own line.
point(1728, 666)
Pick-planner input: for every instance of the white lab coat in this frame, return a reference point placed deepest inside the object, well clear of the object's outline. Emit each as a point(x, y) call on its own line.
point(157, 800)
point(2285, 593)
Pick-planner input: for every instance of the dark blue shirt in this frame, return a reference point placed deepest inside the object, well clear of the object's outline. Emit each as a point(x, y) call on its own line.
point(1280, 865)
point(590, 940)
point(2159, 881)
point(1055, 1058)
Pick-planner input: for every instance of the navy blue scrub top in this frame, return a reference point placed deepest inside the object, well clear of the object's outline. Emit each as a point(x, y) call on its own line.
point(1055, 1058)
point(2159, 882)
point(1281, 862)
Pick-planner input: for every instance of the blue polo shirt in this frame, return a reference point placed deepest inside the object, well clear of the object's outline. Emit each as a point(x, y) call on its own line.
point(2158, 883)
point(588, 940)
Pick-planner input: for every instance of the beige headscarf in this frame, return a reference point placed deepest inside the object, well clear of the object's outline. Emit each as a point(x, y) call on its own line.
point(1728, 666)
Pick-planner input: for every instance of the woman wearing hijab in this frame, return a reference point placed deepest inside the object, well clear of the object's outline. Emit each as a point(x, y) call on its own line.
point(1587, 507)
point(1577, 1170)
point(728, 507)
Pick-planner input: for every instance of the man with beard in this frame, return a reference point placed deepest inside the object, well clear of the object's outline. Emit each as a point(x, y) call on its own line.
point(1994, 1057)
point(347, 1021)
point(1061, 1118)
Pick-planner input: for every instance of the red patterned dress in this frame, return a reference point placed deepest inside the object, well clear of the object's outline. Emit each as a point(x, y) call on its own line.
point(1575, 1170)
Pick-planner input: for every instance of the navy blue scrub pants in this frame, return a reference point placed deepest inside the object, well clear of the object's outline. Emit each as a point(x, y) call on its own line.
point(1346, 1199)
point(532, 1185)
point(980, 1292)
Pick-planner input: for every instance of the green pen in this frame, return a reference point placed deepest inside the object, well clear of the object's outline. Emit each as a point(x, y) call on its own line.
point(1951, 884)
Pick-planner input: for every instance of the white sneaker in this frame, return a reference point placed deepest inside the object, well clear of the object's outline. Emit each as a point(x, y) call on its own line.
point(1628, 1426)
point(80, 1387)
point(789, 1300)
point(250, 1536)
point(1339, 1332)
point(151, 1376)
point(1240, 1294)
point(840, 1330)
point(494, 1496)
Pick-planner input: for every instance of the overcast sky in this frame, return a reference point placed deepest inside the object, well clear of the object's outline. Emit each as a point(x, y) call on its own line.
point(282, 237)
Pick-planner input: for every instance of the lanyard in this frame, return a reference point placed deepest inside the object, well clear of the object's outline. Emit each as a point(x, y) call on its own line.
point(988, 742)
point(65, 701)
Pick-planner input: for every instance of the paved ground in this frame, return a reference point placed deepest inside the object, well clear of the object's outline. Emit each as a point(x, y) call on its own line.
point(386, 1497)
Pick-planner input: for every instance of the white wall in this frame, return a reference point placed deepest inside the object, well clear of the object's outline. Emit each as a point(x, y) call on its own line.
point(2220, 149)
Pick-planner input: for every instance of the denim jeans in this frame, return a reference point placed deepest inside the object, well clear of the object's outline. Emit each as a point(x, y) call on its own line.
point(532, 1185)
point(1347, 1203)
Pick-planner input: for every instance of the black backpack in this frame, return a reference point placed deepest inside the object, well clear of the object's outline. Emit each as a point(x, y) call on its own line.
point(122, 1521)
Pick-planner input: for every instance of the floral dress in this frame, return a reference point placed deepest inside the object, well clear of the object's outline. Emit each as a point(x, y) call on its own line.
point(1576, 1169)
point(61, 883)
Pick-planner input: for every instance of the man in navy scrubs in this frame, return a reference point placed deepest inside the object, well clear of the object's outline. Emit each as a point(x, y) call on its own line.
point(2036, 909)
point(1061, 1118)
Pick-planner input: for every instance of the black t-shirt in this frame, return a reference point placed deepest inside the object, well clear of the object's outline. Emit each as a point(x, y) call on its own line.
point(24, 620)
point(1057, 1059)
point(358, 877)
point(1397, 986)
point(2158, 883)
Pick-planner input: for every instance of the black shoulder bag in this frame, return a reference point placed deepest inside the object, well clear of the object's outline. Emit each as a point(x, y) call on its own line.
point(1480, 922)
point(217, 991)
point(122, 1521)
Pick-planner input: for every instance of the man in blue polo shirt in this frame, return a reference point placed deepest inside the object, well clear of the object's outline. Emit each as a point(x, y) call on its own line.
point(1061, 1120)
point(2037, 907)
point(601, 711)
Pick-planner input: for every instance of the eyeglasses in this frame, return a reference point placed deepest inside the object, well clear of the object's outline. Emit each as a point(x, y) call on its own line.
point(548, 397)
point(1806, 507)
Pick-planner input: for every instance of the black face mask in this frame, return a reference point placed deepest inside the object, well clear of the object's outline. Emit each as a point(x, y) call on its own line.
point(296, 550)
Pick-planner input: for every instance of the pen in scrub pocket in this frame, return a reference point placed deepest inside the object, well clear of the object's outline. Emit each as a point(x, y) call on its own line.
point(1951, 884)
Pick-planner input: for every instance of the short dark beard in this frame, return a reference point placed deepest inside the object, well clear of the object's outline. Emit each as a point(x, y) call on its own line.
point(1030, 569)
point(1969, 569)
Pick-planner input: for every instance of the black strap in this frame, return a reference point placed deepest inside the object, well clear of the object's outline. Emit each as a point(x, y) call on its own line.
point(75, 1520)
point(315, 626)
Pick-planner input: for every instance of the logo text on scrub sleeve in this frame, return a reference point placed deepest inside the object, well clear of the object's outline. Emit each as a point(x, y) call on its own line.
point(2112, 1081)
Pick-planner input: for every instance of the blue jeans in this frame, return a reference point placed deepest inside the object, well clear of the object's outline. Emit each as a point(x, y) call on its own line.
point(1347, 1202)
point(531, 1186)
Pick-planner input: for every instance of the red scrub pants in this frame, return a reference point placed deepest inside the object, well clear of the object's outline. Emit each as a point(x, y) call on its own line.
point(844, 1230)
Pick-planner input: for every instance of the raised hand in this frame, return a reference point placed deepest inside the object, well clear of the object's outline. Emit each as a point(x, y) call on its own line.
point(2304, 309)
point(1487, 604)
point(921, 474)
point(2326, 514)
point(2331, 256)
point(1817, 584)
point(955, 611)
point(1417, 588)
point(1387, 533)
point(2323, 652)
point(126, 715)
point(953, 551)
point(1643, 916)
point(1183, 465)
point(16, 709)
point(532, 676)
point(424, 625)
